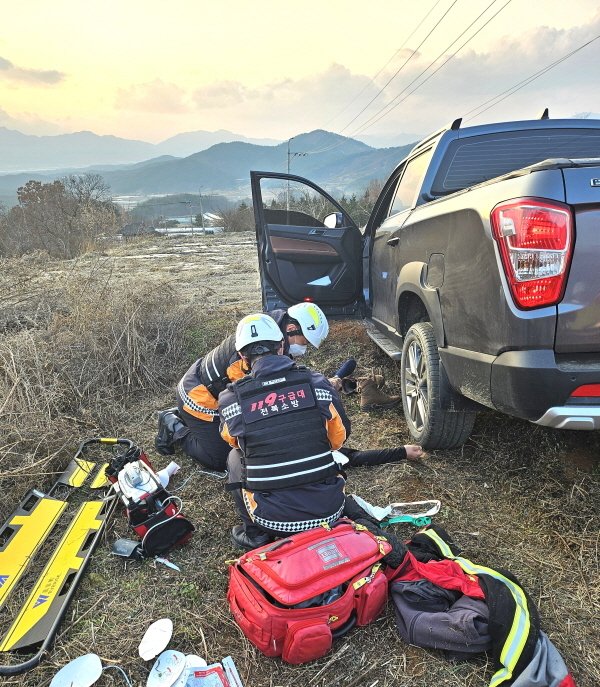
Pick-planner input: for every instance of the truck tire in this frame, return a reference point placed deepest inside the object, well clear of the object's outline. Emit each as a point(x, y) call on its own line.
point(430, 425)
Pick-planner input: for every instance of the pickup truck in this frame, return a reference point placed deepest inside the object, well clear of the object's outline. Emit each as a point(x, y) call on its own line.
point(478, 270)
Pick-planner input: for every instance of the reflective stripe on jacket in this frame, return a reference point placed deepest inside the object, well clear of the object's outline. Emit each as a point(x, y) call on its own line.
point(200, 386)
point(196, 397)
point(514, 624)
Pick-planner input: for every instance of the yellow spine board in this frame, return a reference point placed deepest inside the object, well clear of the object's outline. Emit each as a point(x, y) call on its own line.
point(30, 531)
point(84, 468)
point(30, 625)
point(100, 480)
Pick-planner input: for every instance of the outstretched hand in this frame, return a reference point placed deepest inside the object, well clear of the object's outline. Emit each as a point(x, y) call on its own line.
point(413, 452)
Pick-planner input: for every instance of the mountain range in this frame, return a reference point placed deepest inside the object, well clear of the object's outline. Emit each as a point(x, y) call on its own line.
point(25, 152)
point(338, 163)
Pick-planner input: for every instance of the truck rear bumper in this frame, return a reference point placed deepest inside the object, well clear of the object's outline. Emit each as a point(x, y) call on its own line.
point(571, 417)
point(534, 385)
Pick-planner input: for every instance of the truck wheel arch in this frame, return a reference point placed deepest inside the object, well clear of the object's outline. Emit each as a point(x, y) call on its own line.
point(418, 303)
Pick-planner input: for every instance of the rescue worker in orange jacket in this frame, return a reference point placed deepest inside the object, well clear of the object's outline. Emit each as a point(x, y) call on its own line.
point(194, 425)
point(283, 421)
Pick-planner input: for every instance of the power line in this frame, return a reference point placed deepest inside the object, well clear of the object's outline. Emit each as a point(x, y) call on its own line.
point(393, 57)
point(413, 53)
point(491, 102)
point(393, 104)
point(395, 74)
point(525, 82)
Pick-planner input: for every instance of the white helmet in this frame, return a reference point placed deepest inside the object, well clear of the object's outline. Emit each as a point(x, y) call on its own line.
point(255, 329)
point(312, 321)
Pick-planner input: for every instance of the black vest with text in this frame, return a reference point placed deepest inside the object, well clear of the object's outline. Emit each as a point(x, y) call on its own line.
point(285, 438)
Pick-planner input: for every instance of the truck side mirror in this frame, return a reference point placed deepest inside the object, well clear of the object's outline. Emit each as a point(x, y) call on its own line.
point(334, 221)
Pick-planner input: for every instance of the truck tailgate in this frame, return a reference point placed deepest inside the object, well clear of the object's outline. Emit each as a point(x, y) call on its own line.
point(578, 325)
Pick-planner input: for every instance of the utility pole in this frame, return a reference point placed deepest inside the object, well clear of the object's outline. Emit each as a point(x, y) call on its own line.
point(287, 199)
point(201, 211)
point(191, 218)
point(290, 155)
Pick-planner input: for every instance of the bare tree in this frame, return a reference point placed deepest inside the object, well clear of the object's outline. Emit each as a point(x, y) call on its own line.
point(240, 218)
point(64, 218)
point(5, 237)
point(96, 214)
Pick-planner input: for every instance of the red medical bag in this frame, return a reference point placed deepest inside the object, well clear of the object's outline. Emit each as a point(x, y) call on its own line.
point(292, 597)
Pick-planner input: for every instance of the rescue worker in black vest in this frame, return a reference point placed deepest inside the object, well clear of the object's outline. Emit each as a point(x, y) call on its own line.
point(194, 425)
point(283, 421)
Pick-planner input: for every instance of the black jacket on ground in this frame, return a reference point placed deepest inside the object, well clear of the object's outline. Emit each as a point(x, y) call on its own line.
point(513, 622)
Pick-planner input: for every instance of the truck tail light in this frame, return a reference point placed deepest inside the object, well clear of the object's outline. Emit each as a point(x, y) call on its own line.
point(535, 239)
point(587, 391)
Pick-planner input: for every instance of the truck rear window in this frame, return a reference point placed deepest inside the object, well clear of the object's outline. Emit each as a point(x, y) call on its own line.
point(470, 161)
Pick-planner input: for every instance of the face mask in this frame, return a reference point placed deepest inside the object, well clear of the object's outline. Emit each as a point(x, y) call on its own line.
point(297, 350)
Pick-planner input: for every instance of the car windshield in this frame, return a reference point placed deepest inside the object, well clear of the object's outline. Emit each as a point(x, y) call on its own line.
point(470, 161)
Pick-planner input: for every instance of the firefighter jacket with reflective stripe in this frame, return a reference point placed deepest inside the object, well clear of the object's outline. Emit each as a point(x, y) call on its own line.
point(200, 386)
point(514, 624)
point(212, 370)
point(284, 420)
point(195, 396)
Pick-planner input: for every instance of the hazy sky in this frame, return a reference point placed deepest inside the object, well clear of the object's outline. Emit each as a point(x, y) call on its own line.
point(271, 68)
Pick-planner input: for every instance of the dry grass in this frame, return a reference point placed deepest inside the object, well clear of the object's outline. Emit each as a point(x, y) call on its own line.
point(94, 346)
point(76, 362)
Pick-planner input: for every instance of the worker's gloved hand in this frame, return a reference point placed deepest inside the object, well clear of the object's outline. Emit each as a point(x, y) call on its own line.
point(336, 383)
point(340, 380)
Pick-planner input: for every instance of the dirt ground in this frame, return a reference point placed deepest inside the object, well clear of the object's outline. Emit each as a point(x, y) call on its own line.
point(95, 346)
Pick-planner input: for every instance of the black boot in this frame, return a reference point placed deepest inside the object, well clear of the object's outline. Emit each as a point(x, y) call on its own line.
point(349, 385)
point(375, 456)
point(249, 540)
point(168, 423)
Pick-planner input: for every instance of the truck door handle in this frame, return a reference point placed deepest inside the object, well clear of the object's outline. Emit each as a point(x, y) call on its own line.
point(317, 232)
point(393, 241)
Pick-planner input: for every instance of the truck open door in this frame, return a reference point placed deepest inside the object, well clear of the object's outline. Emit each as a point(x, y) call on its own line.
point(309, 249)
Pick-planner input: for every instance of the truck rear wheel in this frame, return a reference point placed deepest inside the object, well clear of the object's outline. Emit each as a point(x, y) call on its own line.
point(430, 425)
